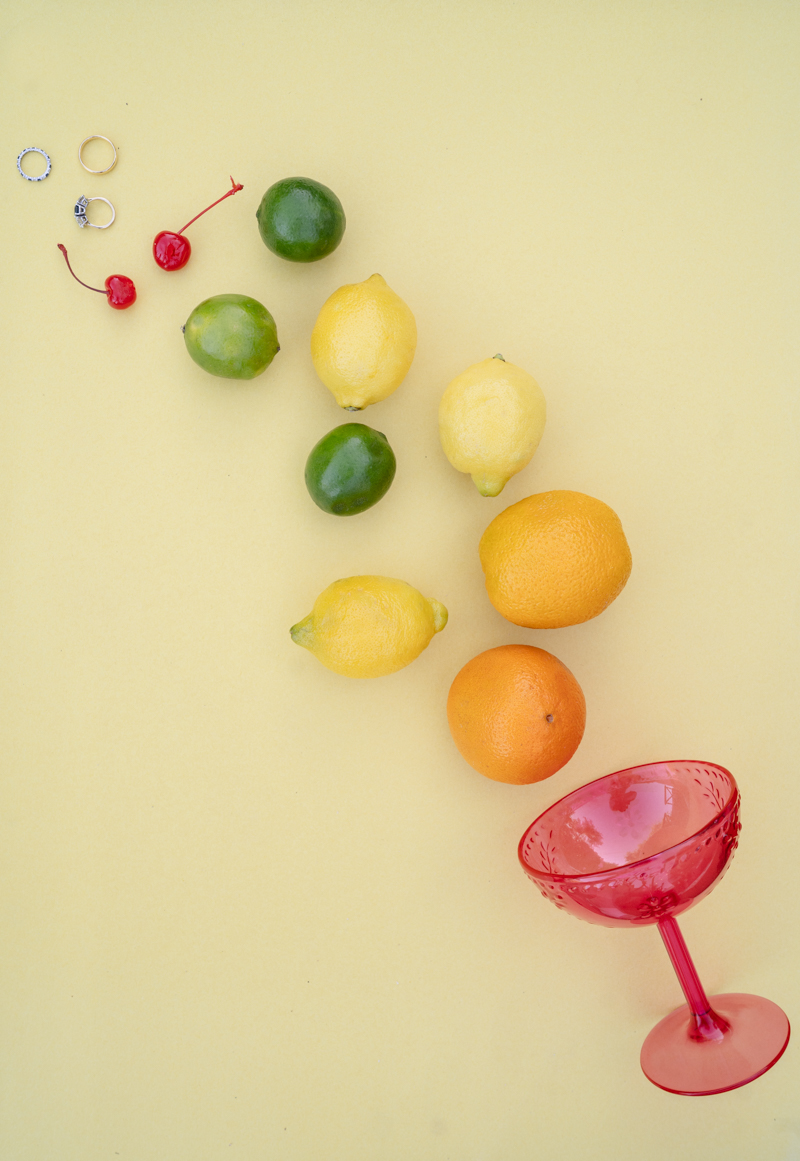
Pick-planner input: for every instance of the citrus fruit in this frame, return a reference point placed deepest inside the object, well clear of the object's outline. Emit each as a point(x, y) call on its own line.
point(231, 335)
point(363, 343)
point(554, 559)
point(300, 219)
point(516, 713)
point(491, 418)
point(350, 469)
point(368, 626)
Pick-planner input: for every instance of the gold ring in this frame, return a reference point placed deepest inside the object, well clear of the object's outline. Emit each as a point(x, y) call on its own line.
point(97, 137)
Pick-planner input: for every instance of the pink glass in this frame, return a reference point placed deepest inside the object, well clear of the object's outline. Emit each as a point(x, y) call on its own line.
point(640, 847)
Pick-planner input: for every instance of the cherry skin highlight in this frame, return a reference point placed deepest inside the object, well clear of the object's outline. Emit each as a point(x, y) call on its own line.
point(172, 251)
point(120, 291)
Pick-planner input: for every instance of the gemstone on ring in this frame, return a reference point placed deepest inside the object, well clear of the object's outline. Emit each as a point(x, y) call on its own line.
point(80, 208)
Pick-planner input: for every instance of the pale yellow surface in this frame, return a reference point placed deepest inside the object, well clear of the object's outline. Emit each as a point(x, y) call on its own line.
point(252, 909)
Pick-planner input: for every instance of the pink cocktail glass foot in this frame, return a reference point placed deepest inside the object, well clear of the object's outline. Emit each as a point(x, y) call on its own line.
point(639, 847)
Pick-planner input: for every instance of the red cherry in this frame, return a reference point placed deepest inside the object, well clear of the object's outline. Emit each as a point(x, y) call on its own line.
point(119, 291)
point(172, 251)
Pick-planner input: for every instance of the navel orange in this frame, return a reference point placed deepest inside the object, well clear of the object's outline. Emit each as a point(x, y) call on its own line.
point(554, 559)
point(516, 713)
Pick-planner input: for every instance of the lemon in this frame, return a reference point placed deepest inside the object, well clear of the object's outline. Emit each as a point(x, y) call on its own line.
point(363, 343)
point(491, 419)
point(368, 626)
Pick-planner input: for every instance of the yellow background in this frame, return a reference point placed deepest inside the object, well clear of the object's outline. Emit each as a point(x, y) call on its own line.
point(251, 909)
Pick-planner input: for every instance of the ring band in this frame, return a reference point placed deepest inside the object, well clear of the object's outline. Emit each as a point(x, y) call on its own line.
point(97, 137)
point(27, 176)
point(81, 206)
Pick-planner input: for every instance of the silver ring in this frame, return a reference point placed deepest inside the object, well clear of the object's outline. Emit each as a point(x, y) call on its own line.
point(97, 137)
point(27, 176)
point(82, 205)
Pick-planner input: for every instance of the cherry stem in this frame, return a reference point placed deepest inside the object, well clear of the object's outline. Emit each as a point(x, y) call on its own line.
point(236, 188)
point(63, 250)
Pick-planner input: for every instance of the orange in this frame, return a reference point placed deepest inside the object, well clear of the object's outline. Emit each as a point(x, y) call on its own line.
point(554, 559)
point(516, 713)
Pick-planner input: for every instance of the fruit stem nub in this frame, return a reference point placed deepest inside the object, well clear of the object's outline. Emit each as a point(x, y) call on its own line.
point(236, 188)
point(302, 632)
point(96, 289)
point(500, 357)
point(440, 615)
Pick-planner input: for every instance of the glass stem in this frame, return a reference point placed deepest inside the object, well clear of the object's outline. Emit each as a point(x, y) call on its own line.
point(707, 1024)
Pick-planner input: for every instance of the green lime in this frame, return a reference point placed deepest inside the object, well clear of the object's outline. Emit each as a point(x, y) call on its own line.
point(300, 219)
point(231, 335)
point(350, 469)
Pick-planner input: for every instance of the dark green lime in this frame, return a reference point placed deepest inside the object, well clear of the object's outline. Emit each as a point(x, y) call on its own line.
point(350, 469)
point(301, 219)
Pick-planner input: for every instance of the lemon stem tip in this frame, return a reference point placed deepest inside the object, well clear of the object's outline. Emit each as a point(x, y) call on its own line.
point(488, 487)
point(440, 614)
point(301, 632)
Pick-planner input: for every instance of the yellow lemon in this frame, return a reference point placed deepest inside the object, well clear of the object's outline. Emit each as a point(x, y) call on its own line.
point(368, 626)
point(363, 343)
point(491, 419)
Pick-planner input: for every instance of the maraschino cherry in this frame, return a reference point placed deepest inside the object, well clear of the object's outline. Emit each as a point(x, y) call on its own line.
point(172, 251)
point(120, 291)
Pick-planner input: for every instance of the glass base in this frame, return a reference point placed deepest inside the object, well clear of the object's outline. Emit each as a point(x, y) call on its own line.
point(756, 1039)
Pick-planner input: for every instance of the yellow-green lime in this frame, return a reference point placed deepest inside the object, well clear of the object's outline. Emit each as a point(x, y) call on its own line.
point(231, 335)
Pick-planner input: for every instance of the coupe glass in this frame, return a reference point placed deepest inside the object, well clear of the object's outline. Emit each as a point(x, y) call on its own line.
point(641, 846)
